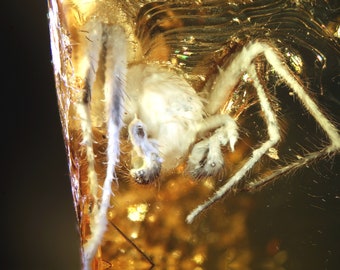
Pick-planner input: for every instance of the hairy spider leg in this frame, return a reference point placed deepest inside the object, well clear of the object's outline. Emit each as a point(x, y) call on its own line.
point(274, 137)
point(229, 77)
point(111, 40)
point(329, 129)
point(86, 70)
point(206, 157)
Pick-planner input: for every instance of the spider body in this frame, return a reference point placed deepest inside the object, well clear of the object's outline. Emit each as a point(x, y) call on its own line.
point(168, 110)
point(165, 115)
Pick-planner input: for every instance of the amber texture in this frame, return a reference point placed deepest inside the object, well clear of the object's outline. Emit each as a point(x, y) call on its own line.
point(147, 225)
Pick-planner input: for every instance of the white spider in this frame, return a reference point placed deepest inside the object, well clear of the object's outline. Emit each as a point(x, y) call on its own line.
point(167, 119)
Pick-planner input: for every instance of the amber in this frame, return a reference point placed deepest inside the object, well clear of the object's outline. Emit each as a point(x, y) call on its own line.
point(147, 225)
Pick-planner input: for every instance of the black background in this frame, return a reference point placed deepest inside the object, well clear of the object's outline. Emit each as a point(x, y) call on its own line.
point(39, 221)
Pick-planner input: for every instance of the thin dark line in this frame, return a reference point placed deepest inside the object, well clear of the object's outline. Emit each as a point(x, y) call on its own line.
point(134, 245)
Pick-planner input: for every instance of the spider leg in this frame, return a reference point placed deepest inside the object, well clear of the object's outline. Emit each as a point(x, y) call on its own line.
point(228, 79)
point(329, 129)
point(206, 157)
point(146, 152)
point(113, 40)
point(86, 71)
point(274, 137)
point(281, 69)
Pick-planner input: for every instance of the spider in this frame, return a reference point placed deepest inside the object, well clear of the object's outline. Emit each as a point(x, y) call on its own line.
point(168, 121)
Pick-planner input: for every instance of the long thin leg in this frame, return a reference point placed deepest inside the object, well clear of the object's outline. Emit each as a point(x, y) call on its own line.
point(274, 137)
point(229, 77)
point(305, 99)
point(86, 71)
point(330, 130)
point(113, 39)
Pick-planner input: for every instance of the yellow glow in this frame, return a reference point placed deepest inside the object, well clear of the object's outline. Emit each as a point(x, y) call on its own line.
point(134, 235)
point(198, 258)
point(137, 212)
